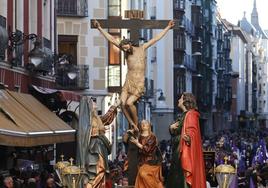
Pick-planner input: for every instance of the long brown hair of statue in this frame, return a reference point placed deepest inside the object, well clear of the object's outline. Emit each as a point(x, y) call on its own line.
point(97, 127)
point(150, 125)
point(189, 101)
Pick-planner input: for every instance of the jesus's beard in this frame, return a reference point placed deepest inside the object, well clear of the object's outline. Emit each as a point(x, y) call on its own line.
point(128, 52)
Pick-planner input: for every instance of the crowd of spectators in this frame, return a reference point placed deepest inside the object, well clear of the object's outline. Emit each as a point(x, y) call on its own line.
point(29, 179)
point(245, 149)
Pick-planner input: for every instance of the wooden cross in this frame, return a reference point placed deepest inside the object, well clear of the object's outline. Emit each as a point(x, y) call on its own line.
point(134, 25)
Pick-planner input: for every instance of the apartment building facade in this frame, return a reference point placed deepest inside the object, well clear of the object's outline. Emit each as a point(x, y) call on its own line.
point(22, 22)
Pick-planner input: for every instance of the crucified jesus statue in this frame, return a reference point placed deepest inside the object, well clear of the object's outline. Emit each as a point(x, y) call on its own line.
point(133, 87)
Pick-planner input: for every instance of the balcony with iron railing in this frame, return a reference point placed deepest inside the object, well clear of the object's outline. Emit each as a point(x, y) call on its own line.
point(186, 62)
point(72, 8)
point(220, 64)
point(189, 27)
point(178, 58)
point(3, 34)
point(196, 46)
point(179, 5)
point(190, 62)
point(196, 16)
point(72, 77)
point(220, 32)
point(149, 88)
point(228, 64)
point(197, 39)
point(219, 47)
point(179, 42)
point(182, 24)
point(227, 45)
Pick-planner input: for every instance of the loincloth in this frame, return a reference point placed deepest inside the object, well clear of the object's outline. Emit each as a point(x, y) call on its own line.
point(132, 88)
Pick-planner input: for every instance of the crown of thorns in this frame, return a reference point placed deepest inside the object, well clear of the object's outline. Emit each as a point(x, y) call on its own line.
point(125, 41)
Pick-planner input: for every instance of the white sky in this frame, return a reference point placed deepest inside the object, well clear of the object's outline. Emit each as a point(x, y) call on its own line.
point(233, 10)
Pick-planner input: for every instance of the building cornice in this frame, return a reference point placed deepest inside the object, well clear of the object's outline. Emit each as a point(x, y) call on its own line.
point(20, 70)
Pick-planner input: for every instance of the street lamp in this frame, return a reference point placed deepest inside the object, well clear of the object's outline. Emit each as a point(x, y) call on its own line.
point(16, 40)
point(225, 174)
point(181, 66)
point(65, 62)
point(70, 175)
point(72, 75)
point(161, 97)
point(198, 75)
point(159, 102)
point(69, 75)
point(3, 42)
point(197, 54)
point(40, 59)
point(36, 55)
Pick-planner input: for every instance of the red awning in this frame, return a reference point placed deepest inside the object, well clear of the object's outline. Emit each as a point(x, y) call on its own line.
point(67, 95)
point(71, 96)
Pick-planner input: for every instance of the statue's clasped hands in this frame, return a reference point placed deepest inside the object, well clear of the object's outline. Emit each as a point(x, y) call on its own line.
point(134, 140)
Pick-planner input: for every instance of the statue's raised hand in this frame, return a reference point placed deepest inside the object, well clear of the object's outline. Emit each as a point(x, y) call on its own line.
point(96, 24)
point(171, 23)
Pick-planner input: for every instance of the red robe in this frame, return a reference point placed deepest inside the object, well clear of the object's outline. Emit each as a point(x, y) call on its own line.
point(192, 160)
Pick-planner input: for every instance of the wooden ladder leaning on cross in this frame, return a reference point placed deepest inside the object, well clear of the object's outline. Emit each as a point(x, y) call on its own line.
point(133, 87)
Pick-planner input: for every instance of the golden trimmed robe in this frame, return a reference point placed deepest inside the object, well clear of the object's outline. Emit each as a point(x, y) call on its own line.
point(150, 169)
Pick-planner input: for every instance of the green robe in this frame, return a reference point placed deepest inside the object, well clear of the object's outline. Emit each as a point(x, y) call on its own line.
point(175, 176)
point(99, 145)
